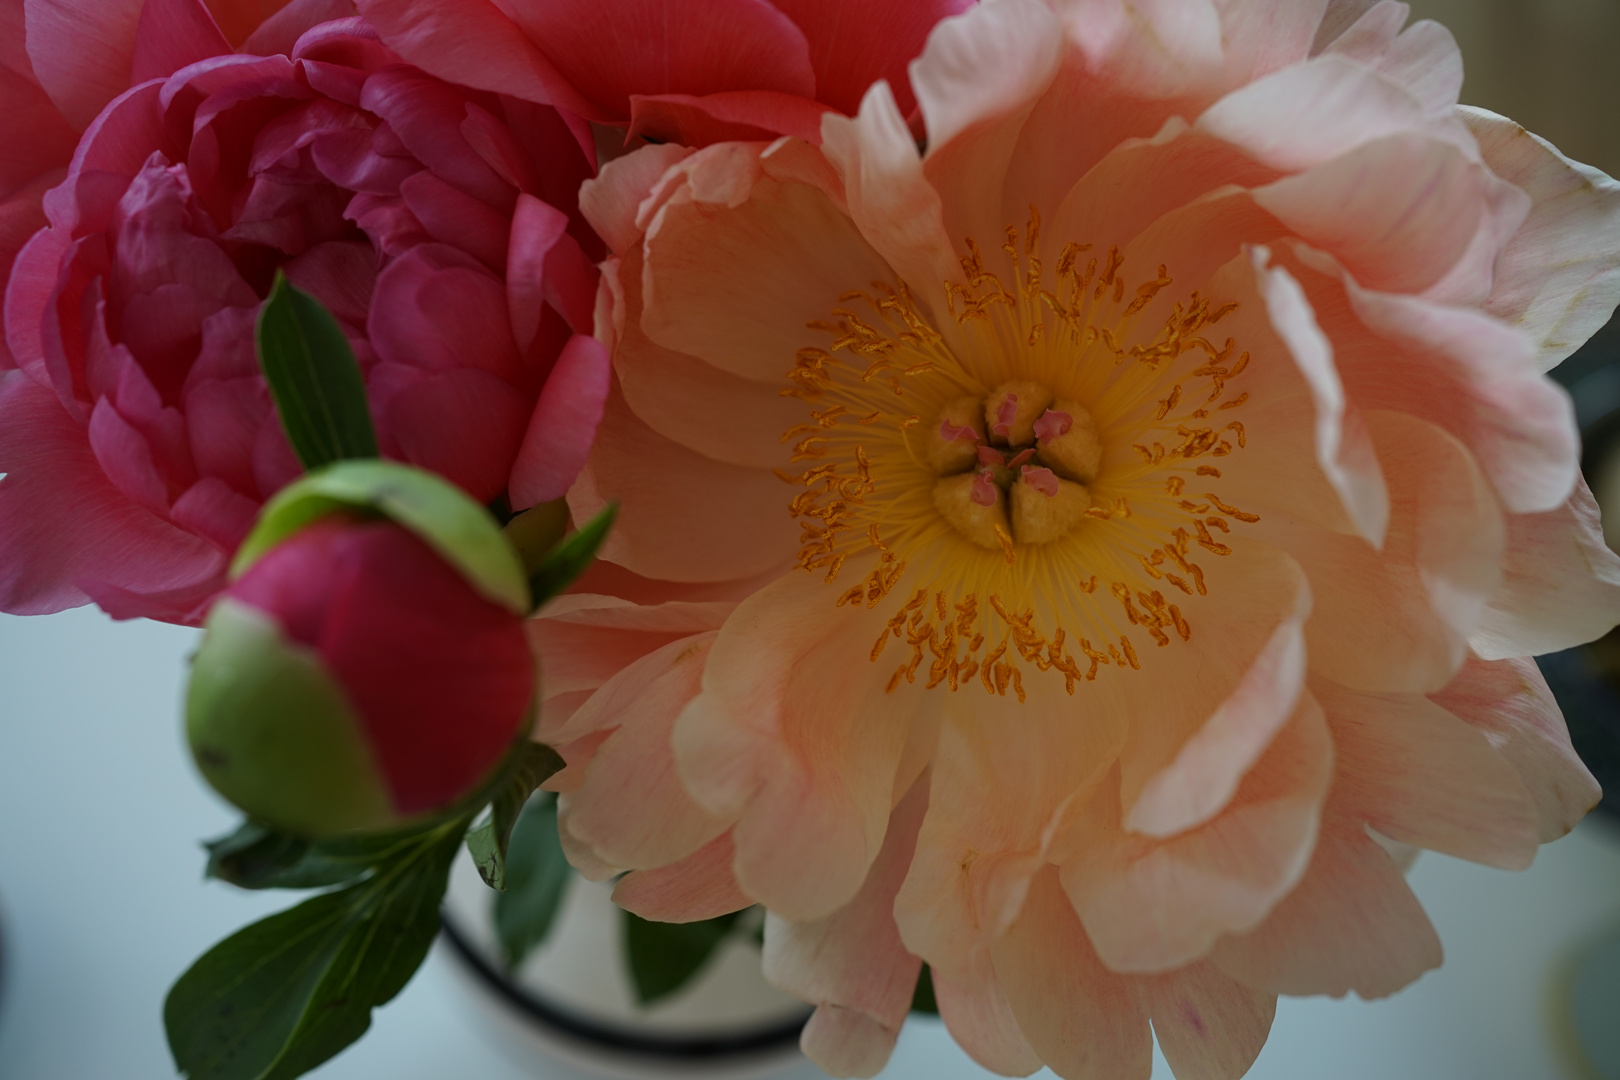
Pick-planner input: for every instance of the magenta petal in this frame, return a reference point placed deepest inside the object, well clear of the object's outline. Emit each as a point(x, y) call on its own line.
point(61, 521)
point(535, 229)
point(451, 216)
point(464, 424)
point(173, 34)
point(563, 425)
point(854, 45)
point(82, 71)
point(213, 511)
point(281, 31)
point(126, 458)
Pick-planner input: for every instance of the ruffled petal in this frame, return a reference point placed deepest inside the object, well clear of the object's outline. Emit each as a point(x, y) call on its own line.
point(700, 886)
point(1421, 776)
point(851, 965)
point(1560, 583)
point(1509, 701)
point(976, 1012)
point(1351, 924)
point(612, 199)
point(1084, 1021)
point(583, 640)
point(795, 732)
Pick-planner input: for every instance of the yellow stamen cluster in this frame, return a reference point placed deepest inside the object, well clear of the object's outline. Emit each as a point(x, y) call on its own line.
point(875, 390)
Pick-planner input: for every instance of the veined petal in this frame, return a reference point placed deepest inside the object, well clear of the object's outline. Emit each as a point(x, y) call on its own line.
point(1210, 1026)
point(700, 886)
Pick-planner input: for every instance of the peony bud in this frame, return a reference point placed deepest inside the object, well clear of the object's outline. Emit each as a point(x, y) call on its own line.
point(363, 670)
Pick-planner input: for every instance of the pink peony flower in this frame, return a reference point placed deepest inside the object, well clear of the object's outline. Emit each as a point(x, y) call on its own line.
point(438, 223)
point(1126, 708)
point(687, 73)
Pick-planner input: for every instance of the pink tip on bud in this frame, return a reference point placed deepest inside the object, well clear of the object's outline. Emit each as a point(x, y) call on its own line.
point(1021, 457)
point(1053, 424)
point(1006, 412)
point(952, 432)
point(984, 490)
point(1042, 480)
point(989, 455)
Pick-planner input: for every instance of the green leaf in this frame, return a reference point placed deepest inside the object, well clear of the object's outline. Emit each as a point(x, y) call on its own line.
point(922, 999)
point(314, 379)
point(568, 560)
point(537, 872)
point(663, 957)
point(257, 856)
point(535, 532)
point(276, 999)
point(488, 842)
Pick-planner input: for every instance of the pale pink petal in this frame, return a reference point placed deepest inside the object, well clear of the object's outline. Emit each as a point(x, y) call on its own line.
point(700, 886)
point(1084, 1021)
point(81, 52)
point(1152, 906)
point(795, 733)
point(851, 965)
point(1560, 583)
point(563, 425)
point(1509, 701)
point(1149, 48)
point(610, 200)
point(1261, 36)
point(996, 804)
point(581, 856)
point(583, 640)
point(1351, 924)
point(976, 83)
point(1399, 618)
point(474, 43)
point(731, 116)
point(172, 34)
point(631, 807)
point(1559, 277)
point(1421, 776)
point(691, 518)
point(895, 207)
point(1423, 58)
point(700, 406)
point(1209, 1026)
point(975, 1010)
point(768, 260)
point(1458, 368)
point(65, 523)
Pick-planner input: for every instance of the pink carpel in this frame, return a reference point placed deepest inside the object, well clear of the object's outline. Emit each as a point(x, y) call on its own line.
point(1006, 413)
point(1041, 479)
point(989, 455)
point(1021, 457)
point(984, 490)
point(953, 432)
point(1053, 424)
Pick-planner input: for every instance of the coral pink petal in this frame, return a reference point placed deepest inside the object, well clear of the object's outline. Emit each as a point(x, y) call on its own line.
point(631, 807)
point(1421, 776)
point(1151, 906)
point(1558, 278)
point(976, 83)
point(975, 1010)
point(474, 42)
point(1399, 618)
point(853, 44)
point(1084, 1021)
point(173, 34)
point(563, 425)
point(1351, 924)
point(81, 51)
point(586, 639)
point(650, 47)
point(65, 522)
point(1509, 701)
point(851, 964)
point(690, 519)
point(700, 886)
point(795, 733)
point(760, 269)
point(718, 414)
point(890, 200)
point(611, 200)
point(1209, 1026)
point(1560, 583)
point(996, 802)
point(732, 116)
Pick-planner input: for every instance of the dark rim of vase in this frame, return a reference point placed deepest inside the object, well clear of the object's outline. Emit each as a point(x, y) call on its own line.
point(558, 1019)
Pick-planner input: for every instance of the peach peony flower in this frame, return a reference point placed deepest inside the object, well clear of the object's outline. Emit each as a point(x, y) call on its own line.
point(1090, 554)
point(692, 73)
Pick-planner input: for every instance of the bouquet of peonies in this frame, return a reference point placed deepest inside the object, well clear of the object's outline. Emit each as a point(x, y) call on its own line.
point(1074, 484)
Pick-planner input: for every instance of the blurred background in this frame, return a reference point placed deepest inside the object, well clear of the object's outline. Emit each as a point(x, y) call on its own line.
point(102, 903)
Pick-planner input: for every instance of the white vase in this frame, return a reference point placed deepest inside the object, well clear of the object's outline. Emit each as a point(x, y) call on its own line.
point(572, 998)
